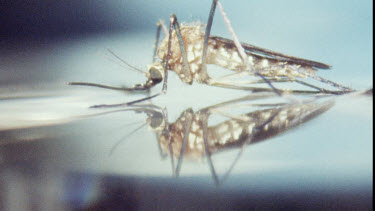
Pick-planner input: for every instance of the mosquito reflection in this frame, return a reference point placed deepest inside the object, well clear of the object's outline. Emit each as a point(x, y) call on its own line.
point(197, 135)
point(191, 136)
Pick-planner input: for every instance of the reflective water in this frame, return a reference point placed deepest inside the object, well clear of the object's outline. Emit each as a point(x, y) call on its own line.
point(55, 152)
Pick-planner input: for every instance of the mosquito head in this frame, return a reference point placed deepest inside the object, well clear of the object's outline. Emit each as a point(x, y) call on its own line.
point(156, 121)
point(155, 73)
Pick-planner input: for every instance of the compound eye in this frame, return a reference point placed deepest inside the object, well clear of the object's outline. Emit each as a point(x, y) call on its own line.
point(156, 120)
point(155, 75)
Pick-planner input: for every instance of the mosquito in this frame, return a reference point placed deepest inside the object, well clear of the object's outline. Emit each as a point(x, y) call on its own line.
point(188, 48)
point(190, 136)
point(247, 120)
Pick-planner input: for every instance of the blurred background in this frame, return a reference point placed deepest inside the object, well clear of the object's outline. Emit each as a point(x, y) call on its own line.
point(52, 154)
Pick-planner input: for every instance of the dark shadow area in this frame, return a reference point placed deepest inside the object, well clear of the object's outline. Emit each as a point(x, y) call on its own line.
point(118, 193)
point(36, 19)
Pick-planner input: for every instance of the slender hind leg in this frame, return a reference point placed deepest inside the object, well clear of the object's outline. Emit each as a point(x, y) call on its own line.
point(184, 142)
point(203, 70)
point(228, 82)
point(204, 122)
point(240, 49)
point(344, 89)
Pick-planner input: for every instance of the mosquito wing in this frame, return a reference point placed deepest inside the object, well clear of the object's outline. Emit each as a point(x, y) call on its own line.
point(258, 51)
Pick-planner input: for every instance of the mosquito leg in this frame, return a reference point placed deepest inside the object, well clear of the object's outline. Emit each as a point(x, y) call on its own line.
point(204, 123)
point(166, 132)
point(228, 80)
point(243, 74)
point(242, 51)
point(251, 97)
point(259, 89)
point(184, 143)
point(139, 87)
point(277, 91)
point(163, 27)
point(158, 29)
point(226, 175)
point(242, 149)
point(207, 36)
point(125, 104)
point(233, 86)
point(339, 86)
point(163, 155)
point(171, 156)
point(176, 26)
point(248, 141)
point(164, 115)
point(166, 65)
point(268, 121)
point(160, 26)
point(312, 86)
point(222, 80)
point(322, 90)
point(155, 116)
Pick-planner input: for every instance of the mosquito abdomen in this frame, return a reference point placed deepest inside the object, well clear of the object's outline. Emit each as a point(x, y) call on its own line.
point(227, 56)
